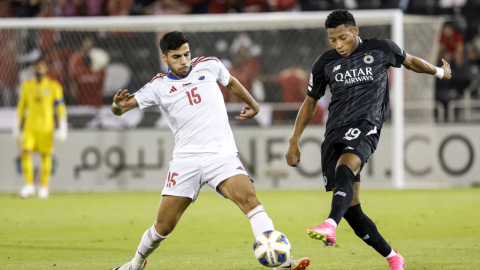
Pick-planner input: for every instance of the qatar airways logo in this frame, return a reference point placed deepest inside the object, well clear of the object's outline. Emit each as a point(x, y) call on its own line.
point(355, 75)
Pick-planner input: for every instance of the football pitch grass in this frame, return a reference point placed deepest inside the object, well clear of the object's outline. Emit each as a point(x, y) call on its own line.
point(432, 229)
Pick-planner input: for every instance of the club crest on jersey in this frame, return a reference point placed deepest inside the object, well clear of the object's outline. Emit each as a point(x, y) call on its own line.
point(336, 68)
point(201, 77)
point(355, 75)
point(368, 59)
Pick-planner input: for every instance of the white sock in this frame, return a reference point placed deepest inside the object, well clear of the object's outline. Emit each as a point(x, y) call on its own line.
point(150, 241)
point(392, 253)
point(331, 221)
point(259, 220)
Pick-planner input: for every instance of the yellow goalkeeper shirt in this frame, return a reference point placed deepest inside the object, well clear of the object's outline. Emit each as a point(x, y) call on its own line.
point(37, 102)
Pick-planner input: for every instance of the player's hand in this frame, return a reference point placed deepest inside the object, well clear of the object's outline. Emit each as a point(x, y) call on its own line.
point(246, 113)
point(17, 135)
point(62, 131)
point(123, 98)
point(61, 134)
point(448, 71)
point(293, 155)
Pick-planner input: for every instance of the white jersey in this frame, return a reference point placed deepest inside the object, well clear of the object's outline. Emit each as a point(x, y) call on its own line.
point(193, 107)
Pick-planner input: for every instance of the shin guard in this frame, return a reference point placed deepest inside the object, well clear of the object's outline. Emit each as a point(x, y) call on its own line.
point(343, 193)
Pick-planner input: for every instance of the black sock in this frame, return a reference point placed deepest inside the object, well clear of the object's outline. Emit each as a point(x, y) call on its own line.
point(343, 193)
point(364, 228)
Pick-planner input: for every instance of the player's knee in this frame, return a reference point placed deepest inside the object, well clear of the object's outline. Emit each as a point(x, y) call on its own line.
point(253, 202)
point(163, 227)
point(248, 202)
point(356, 198)
point(352, 161)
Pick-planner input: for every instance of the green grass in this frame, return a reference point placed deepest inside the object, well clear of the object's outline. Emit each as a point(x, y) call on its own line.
point(433, 229)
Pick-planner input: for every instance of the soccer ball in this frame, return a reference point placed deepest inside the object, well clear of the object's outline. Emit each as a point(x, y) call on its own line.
point(271, 248)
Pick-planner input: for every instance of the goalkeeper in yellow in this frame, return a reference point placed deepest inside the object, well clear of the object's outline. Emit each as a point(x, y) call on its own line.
point(34, 128)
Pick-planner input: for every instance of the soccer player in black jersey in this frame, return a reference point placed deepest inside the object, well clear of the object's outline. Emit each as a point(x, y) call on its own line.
point(356, 71)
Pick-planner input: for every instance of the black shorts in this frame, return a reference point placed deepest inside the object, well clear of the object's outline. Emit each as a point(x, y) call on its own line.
point(359, 138)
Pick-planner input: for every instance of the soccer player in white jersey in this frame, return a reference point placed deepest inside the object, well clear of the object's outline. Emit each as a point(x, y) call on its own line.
point(205, 151)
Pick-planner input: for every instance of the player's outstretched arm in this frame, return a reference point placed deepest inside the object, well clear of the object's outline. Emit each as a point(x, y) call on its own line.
point(419, 65)
point(303, 118)
point(123, 102)
point(238, 90)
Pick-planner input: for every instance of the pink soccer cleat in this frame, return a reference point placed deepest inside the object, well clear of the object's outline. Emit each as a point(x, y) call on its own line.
point(396, 262)
point(324, 232)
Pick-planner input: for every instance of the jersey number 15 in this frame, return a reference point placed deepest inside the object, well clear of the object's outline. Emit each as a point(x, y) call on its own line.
point(170, 181)
point(196, 97)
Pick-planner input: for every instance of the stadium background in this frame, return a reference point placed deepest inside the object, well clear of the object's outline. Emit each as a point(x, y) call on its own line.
point(131, 153)
point(92, 57)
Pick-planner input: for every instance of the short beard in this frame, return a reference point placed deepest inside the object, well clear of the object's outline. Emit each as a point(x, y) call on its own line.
point(176, 74)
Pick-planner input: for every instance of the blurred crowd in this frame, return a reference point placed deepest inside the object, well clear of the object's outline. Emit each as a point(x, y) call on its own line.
point(81, 65)
point(69, 8)
point(462, 50)
point(80, 68)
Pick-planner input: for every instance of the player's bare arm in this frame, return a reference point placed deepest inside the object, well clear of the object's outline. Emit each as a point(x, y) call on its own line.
point(419, 65)
point(304, 116)
point(238, 90)
point(123, 102)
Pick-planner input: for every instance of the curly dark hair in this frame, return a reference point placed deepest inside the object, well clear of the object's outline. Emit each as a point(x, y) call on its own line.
point(172, 41)
point(339, 17)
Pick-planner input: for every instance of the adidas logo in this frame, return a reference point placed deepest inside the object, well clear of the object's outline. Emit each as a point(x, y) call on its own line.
point(349, 148)
point(341, 193)
point(240, 168)
point(336, 68)
point(173, 89)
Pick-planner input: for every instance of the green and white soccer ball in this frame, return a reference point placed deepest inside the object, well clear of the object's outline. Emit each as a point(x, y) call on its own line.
point(272, 248)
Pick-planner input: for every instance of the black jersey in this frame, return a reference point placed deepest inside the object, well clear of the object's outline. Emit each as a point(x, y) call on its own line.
point(358, 83)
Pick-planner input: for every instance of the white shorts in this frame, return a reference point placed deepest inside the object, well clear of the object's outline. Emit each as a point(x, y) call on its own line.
point(189, 172)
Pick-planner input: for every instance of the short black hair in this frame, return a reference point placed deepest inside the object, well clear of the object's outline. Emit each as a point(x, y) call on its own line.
point(339, 17)
point(172, 41)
